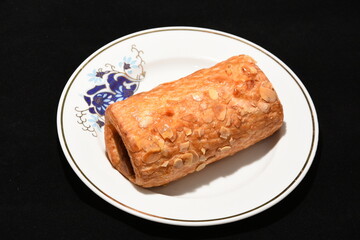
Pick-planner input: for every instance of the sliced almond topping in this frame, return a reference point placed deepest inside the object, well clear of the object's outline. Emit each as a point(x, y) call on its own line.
point(181, 136)
point(184, 146)
point(225, 149)
point(249, 69)
point(145, 121)
point(197, 97)
point(231, 141)
point(203, 150)
point(222, 115)
point(252, 70)
point(208, 115)
point(150, 146)
point(236, 121)
point(178, 163)
point(201, 132)
point(151, 157)
point(166, 132)
point(164, 164)
point(173, 137)
point(147, 170)
point(200, 167)
point(195, 157)
point(220, 111)
point(165, 151)
point(187, 131)
point(267, 94)
point(228, 122)
point(264, 107)
point(160, 142)
point(187, 157)
point(190, 118)
point(213, 94)
point(224, 132)
point(203, 105)
point(202, 158)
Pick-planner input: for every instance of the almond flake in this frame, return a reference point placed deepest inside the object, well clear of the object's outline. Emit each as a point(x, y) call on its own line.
point(200, 167)
point(236, 120)
point(184, 146)
point(195, 156)
point(166, 132)
point(264, 107)
point(220, 111)
point(160, 142)
point(187, 131)
point(187, 157)
point(151, 157)
point(150, 146)
point(173, 137)
point(267, 94)
point(224, 132)
point(208, 116)
point(213, 94)
point(202, 158)
point(164, 164)
point(203, 150)
point(197, 98)
point(228, 122)
point(251, 69)
point(190, 118)
point(225, 149)
point(165, 151)
point(178, 163)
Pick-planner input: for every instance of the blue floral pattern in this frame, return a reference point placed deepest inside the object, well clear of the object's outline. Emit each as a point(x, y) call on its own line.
point(111, 85)
point(95, 122)
point(128, 64)
point(95, 77)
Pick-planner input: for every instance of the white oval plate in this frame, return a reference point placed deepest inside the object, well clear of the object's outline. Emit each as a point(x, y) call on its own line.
point(226, 191)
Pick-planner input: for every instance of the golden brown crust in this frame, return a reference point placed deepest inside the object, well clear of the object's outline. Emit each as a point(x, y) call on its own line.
point(181, 126)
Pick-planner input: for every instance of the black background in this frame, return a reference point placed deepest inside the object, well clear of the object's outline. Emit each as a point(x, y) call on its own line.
point(43, 42)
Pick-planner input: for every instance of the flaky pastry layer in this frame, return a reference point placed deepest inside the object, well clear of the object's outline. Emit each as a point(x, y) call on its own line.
point(179, 127)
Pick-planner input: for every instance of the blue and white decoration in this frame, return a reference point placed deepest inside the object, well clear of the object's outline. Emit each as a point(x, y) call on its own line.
point(110, 85)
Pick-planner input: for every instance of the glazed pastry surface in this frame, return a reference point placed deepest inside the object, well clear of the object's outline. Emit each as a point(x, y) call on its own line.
point(177, 128)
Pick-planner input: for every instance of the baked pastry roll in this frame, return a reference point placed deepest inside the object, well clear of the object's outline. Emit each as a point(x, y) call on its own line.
point(179, 127)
